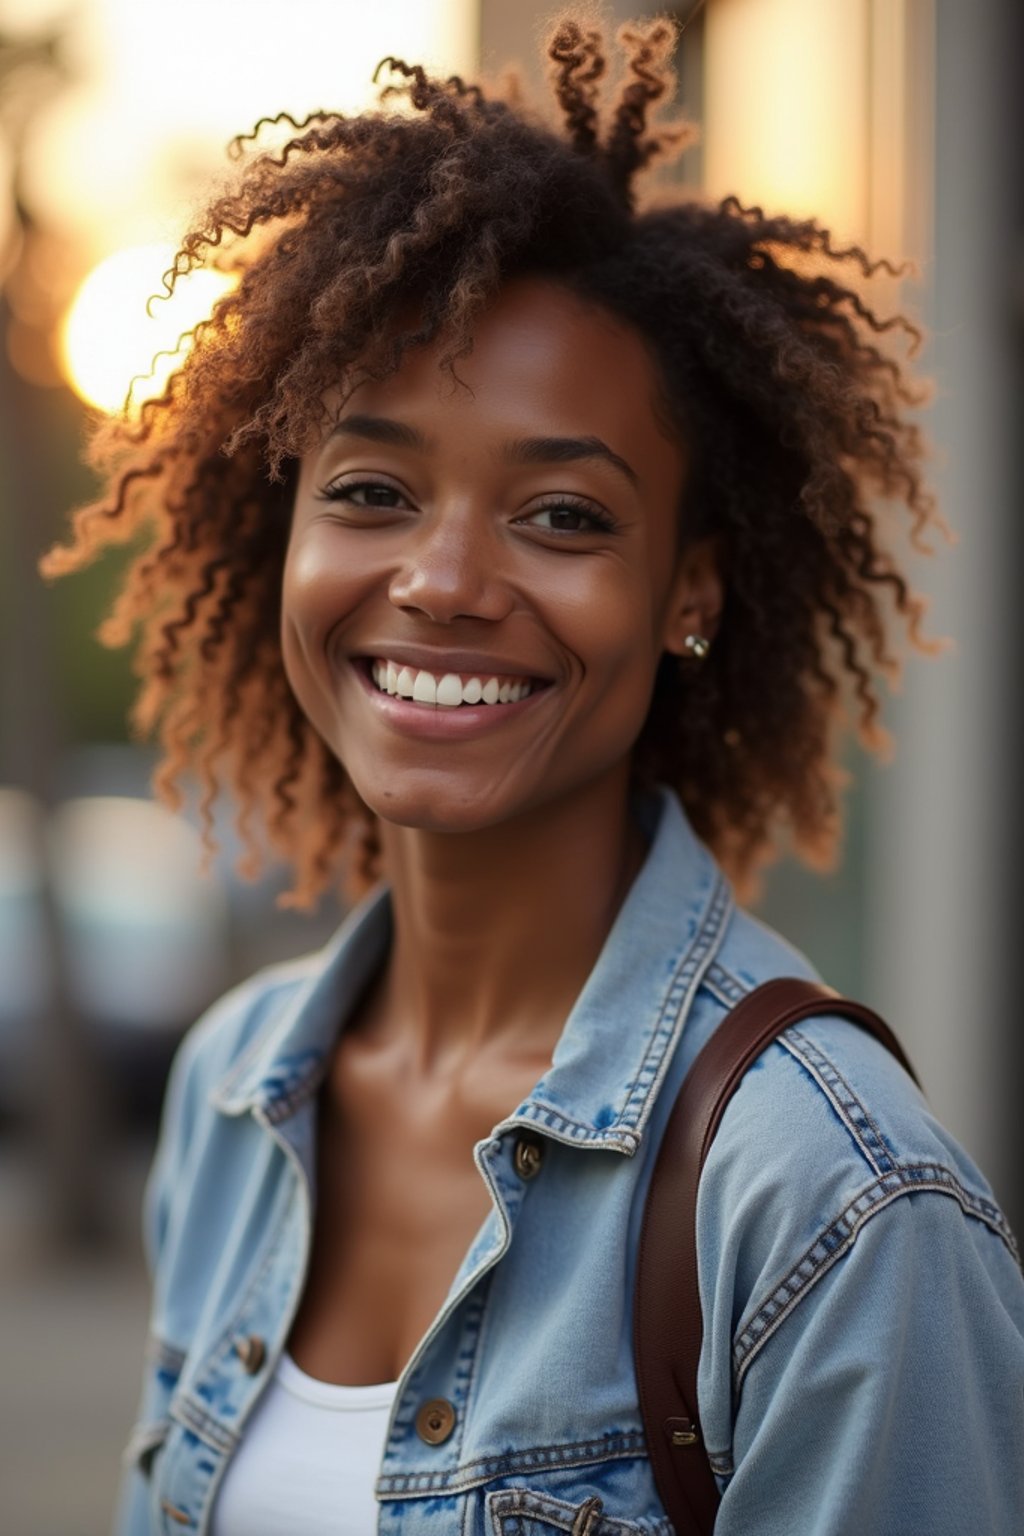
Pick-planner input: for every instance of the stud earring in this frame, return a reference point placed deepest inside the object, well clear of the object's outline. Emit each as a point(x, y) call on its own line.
point(696, 647)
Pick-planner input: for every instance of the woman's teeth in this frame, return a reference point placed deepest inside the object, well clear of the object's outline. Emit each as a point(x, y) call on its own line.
point(449, 690)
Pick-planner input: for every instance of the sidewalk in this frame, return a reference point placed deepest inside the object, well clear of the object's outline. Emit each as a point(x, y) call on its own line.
point(71, 1340)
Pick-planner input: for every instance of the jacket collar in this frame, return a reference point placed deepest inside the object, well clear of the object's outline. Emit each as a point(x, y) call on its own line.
point(617, 1042)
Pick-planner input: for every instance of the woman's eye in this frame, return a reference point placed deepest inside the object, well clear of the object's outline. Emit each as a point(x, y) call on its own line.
point(363, 493)
point(567, 518)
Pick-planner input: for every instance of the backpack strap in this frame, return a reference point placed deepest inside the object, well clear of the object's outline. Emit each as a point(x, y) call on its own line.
point(667, 1323)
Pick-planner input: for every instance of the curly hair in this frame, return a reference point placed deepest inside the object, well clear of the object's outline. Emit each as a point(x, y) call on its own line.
point(366, 235)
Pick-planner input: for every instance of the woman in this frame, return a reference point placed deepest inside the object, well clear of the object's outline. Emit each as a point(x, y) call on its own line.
point(518, 545)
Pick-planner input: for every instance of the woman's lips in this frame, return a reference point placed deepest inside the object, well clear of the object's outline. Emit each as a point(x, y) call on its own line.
point(416, 709)
point(448, 688)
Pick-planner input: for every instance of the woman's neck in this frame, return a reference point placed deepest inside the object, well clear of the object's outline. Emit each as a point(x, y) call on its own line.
point(496, 931)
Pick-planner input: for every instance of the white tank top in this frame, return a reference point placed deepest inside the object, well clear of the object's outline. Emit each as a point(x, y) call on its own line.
point(308, 1460)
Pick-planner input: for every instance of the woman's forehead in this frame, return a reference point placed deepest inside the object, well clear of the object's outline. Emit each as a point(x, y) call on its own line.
point(544, 361)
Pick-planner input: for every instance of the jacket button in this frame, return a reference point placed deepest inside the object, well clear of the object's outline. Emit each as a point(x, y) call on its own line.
point(435, 1421)
point(528, 1156)
point(252, 1352)
point(179, 1516)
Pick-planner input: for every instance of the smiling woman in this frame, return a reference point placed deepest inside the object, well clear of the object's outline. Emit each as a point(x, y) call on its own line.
point(515, 541)
point(547, 560)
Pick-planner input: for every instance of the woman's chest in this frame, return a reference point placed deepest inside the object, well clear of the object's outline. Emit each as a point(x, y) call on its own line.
point(399, 1202)
point(519, 1404)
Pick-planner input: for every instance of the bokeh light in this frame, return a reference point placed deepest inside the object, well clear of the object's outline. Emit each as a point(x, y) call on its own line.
point(110, 342)
point(122, 155)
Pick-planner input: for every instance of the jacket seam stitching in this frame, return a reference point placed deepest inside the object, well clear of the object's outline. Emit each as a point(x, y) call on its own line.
point(470, 1370)
point(221, 1350)
point(283, 1106)
point(725, 986)
point(222, 1089)
point(836, 1240)
point(822, 1069)
point(542, 1113)
point(563, 1515)
point(164, 1356)
point(186, 1411)
point(629, 1444)
point(225, 1344)
point(685, 982)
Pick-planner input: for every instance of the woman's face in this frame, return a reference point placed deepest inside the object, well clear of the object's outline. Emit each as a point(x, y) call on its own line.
point(517, 538)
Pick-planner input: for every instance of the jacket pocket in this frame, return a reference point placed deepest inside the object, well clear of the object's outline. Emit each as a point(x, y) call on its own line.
point(524, 1512)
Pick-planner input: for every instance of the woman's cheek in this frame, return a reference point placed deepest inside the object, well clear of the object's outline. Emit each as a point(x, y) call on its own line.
point(308, 611)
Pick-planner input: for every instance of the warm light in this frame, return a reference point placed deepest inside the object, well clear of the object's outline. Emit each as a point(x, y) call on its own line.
point(126, 152)
point(108, 340)
point(786, 96)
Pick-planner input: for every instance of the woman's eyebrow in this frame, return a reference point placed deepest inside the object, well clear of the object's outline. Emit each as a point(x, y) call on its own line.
point(524, 450)
point(563, 450)
point(380, 429)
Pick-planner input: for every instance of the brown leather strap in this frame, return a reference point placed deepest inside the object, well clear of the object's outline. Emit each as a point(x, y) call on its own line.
point(667, 1323)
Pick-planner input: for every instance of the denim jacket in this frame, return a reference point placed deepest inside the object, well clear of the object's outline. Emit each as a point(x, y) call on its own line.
point(863, 1359)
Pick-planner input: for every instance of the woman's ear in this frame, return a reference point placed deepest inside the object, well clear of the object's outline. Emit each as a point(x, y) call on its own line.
point(696, 595)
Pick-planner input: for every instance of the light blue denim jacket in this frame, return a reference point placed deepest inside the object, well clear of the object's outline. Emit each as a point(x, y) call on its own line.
point(863, 1362)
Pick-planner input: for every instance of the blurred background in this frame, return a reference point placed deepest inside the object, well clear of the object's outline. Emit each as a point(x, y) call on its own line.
point(898, 123)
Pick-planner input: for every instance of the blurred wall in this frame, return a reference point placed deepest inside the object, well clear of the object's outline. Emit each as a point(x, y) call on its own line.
point(942, 887)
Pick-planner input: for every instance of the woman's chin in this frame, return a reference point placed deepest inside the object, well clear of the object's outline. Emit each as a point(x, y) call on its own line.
point(433, 810)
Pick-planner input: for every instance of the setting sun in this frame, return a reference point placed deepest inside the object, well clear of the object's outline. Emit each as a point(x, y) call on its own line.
point(109, 343)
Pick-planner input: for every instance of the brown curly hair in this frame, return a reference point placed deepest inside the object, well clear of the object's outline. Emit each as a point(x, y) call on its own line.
point(772, 370)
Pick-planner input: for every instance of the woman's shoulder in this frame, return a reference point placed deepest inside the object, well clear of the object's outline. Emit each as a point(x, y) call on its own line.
point(827, 1100)
point(834, 1206)
point(827, 1122)
point(265, 1037)
point(194, 1134)
point(238, 1020)
point(825, 1134)
point(827, 1127)
point(216, 1048)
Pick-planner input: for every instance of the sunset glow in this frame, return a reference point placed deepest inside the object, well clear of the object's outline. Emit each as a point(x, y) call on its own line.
point(108, 340)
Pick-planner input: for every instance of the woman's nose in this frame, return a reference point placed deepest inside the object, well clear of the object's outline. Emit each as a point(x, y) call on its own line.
point(452, 570)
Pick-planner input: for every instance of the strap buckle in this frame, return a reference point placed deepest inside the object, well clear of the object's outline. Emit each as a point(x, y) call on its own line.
point(682, 1431)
